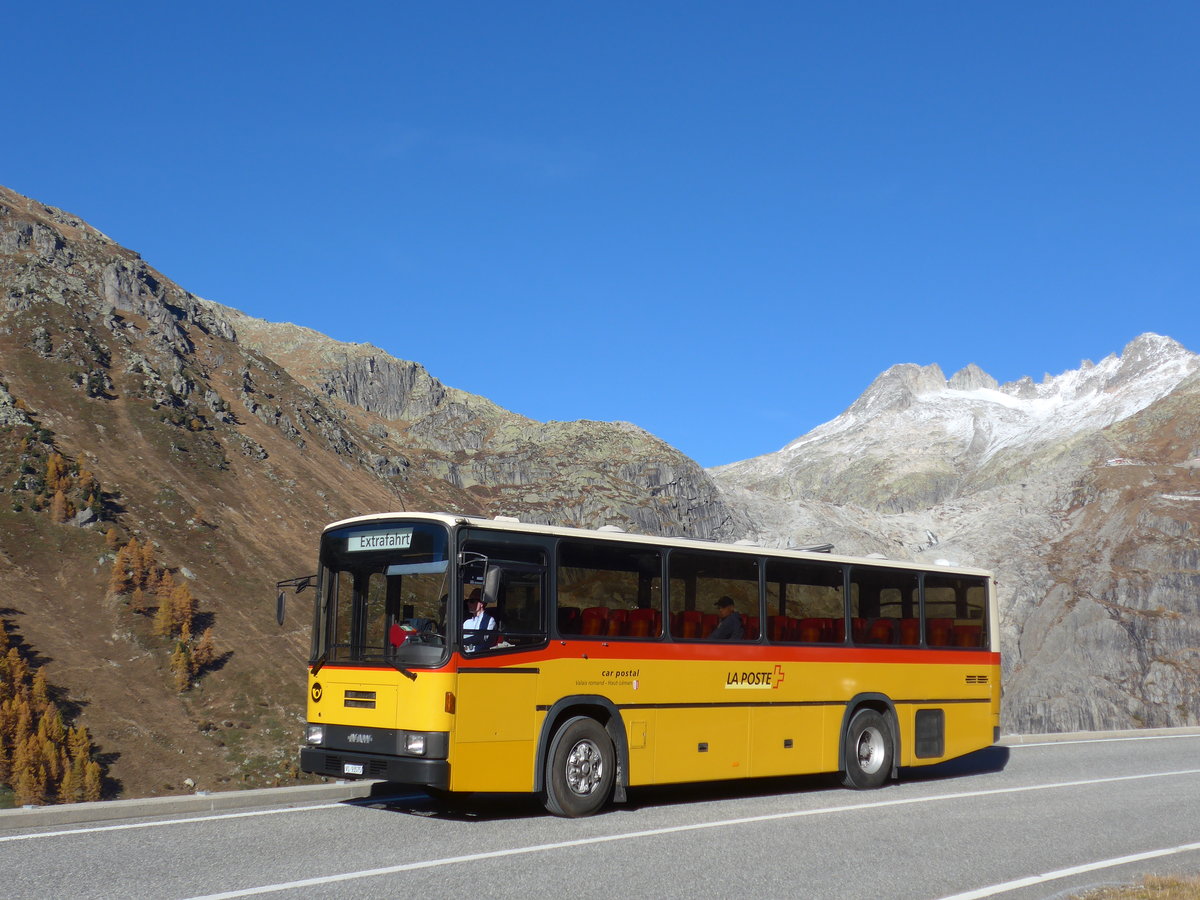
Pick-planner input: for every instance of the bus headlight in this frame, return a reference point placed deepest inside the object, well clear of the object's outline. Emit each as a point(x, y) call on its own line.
point(415, 744)
point(316, 734)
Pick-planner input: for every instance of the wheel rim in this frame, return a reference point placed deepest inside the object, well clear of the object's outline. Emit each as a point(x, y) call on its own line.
point(585, 768)
point(871, 750)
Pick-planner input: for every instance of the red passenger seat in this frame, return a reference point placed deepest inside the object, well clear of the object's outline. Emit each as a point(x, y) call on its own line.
point(968, 636)
point(688, 624)
point(812, 631)
point(616, 622)
point(595, 618)
point(882, 631)
point(643, 623)
point(939, 632)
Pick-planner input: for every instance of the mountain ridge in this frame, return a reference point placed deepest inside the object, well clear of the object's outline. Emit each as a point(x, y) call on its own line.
point(1080, 493)
point(227, 442)
point(228, 465)
point(901, 387)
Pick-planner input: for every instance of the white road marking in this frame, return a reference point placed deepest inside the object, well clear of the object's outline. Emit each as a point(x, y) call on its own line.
point(655, 832)
point(66, 832)
point(1106, 740)
point(130, 825)
point(1032, 880)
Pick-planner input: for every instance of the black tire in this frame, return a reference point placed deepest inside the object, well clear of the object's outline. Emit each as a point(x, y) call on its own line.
point(580, 769)
point(867, 758)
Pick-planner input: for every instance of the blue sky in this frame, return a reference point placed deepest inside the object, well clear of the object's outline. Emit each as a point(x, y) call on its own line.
point(719, 221)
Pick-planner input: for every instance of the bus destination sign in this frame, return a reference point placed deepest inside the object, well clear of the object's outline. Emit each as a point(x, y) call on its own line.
point(391, 539)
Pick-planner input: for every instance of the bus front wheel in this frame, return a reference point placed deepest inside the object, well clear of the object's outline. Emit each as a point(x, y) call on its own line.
point(580, 768)
point(867, 759)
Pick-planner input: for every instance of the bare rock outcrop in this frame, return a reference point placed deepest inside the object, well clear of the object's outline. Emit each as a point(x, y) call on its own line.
point(1079, 492)
point(571, 473)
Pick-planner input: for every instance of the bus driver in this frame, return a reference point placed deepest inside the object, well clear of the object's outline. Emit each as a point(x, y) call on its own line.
point(477, 622)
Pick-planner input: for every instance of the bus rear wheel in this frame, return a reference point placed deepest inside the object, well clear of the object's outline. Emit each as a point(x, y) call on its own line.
point(867, 758)
point(580, 769)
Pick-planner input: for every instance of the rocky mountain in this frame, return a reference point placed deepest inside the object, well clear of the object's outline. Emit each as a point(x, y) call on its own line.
point(579, 473)
point(137, 416)
point(134, 411)
point(1081, 492)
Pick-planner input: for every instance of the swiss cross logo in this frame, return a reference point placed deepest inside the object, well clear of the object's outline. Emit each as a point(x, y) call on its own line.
point(779, 676)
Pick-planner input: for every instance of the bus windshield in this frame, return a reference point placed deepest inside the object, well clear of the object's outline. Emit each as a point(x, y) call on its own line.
point(383, 598)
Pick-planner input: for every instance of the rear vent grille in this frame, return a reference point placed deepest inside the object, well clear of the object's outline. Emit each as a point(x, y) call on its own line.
point(977, 679)
point(360, 699)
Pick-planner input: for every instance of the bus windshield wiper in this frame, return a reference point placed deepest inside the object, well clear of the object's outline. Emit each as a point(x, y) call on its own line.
point(324, 658)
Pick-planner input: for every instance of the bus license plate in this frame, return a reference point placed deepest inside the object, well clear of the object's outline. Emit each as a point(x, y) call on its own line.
point(352, 768)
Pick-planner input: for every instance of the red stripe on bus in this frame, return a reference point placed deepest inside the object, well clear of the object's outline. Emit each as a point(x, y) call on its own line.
point(578, 650)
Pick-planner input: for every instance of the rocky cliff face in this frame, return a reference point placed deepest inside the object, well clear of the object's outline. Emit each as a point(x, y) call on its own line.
point(226, 443)
point(568, 473)
point(208, 452)
point(1115, 637)
point(1082, 493)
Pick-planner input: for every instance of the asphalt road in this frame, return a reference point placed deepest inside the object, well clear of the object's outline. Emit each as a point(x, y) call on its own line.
point(1035, 819)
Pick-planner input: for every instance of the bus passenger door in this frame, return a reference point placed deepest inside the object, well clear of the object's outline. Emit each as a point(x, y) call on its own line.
point(496, 729)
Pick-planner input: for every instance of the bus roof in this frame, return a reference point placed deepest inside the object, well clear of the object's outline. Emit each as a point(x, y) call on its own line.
point(512, 525)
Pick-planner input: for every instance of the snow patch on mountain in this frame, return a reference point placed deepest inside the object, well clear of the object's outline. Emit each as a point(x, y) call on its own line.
point(909, 405)
point(1079, 492)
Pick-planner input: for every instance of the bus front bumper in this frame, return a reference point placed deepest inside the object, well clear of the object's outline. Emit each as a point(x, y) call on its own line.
point(400, 770)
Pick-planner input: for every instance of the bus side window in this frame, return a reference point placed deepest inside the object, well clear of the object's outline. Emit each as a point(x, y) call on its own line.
point(608, 590)
point(511, 572)
point(884, 606)
point(804, 602)
point(341, 586)
point(698, 580)
point(955, 611)
point(518, 609)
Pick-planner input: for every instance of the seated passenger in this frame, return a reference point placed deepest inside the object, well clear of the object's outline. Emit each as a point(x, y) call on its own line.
point(477, 622)
point(730, 627)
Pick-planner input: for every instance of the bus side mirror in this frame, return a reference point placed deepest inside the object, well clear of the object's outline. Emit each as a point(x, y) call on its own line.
point(491, 586)
point(296, 584)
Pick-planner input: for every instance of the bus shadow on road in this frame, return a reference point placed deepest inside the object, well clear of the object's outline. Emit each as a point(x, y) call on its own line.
point(511, 807)
point(468, 807)
point(989, 760)
point(716, 791)
point(981, 762)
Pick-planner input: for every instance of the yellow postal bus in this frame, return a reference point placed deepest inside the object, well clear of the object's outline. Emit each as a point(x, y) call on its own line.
point(603, 660)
